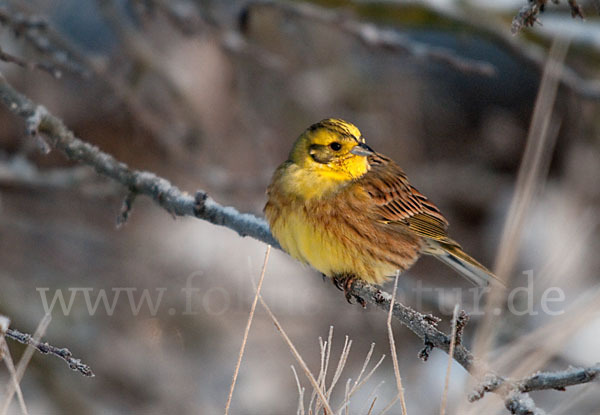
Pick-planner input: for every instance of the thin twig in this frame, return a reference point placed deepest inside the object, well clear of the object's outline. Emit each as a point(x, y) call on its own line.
point(247, 330)
point(37, 32)
point(44, 67)
point(44, 348)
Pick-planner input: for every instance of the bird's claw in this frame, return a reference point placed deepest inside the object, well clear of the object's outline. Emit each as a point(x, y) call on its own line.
point(344, 283)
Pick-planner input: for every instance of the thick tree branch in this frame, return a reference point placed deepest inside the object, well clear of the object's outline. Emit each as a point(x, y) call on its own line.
point(40, 122)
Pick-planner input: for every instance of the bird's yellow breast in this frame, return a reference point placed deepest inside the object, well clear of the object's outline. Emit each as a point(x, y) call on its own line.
point(313, 230)
point(332, 250)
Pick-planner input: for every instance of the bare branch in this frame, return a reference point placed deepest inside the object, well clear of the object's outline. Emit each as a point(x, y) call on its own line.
point(126, 209)
point(45, 67)
point(373, 36)
point(36, 31)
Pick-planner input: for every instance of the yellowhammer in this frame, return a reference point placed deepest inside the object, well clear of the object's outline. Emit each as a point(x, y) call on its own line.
point(351, 213)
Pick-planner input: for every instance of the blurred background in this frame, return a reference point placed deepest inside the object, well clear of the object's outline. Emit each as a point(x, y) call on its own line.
point(211, 95)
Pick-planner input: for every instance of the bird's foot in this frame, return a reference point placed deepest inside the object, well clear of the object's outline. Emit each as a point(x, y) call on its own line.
point(338, 281)
point(344, 283)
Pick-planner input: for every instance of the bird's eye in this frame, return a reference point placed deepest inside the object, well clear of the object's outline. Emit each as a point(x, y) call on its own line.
point(335, 146)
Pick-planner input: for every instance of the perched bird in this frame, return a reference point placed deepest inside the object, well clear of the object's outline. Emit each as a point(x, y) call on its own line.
point(351, 213)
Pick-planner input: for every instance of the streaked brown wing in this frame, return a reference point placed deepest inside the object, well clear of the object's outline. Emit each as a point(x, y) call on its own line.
point(396, 201)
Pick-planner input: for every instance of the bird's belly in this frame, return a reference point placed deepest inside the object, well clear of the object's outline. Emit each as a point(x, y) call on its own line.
point(330, 251)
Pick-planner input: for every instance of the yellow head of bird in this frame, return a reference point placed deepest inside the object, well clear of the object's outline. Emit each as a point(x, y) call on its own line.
point(332, 148)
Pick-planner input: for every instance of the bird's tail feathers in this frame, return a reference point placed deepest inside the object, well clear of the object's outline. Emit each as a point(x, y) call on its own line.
point(452, 255)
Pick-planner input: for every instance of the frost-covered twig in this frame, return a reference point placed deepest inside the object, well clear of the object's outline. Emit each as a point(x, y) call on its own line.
point(45, 348)
point(561, 379)
point(541, 380)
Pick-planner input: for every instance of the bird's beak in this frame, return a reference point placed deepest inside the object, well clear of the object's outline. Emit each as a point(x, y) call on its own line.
point(362, 150)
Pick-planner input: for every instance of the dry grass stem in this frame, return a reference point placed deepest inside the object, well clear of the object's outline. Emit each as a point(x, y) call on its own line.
point(24, 361)
point(450, 359)
point(8, 361)
point(300, 393)
point(350, 387)
point(347, 396)
point(372, 396)
point(247, 330)
point(532, 351)
point(390, 405)
point(537, 155)
point(325, 348)
point(340, 366)
point(560, 330)
point(372, 406)
point(358, 383)
point(393, 349)
point(296, 355)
